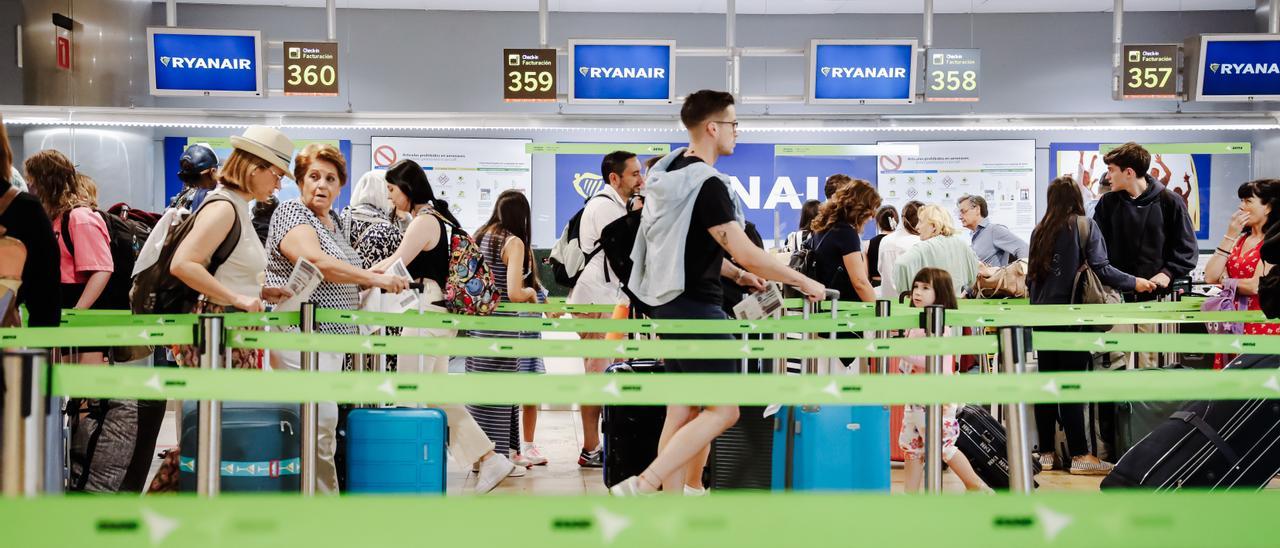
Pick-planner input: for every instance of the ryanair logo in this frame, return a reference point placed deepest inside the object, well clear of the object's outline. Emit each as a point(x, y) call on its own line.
point(587, 184)
point(1244, 68)
point(864, 72)
point(623, 72)
point(220, 63)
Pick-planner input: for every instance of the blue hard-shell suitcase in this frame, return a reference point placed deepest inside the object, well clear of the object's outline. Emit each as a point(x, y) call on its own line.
point(261, 447)
point(833, 448)
point(396, 451)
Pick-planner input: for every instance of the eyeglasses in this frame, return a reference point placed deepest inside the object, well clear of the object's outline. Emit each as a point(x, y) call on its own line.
point(733, 123)
point(273, 172)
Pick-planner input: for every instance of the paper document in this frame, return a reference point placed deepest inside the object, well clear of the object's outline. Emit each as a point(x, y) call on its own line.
point(758, 306)
point(303, 281)
point(404, 301)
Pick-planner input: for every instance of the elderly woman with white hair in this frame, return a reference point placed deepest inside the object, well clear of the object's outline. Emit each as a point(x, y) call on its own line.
point(373, 229)
point(941, 246)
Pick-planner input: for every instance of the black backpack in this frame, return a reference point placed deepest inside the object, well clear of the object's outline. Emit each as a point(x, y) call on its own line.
point(127, 236)
point(616, 241)
point(567, 259)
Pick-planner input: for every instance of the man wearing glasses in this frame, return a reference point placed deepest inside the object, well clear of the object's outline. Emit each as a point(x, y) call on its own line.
point(995, 244)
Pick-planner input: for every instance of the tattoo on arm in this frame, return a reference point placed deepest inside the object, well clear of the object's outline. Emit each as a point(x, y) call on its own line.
point(722, 236)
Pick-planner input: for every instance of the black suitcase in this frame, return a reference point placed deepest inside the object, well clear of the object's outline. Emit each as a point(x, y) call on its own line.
point(1216, 444)
point(982, 439)
point(742, 457)
point(631, 432)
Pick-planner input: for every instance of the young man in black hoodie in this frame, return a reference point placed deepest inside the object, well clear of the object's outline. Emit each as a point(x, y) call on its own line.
point(1145, 225)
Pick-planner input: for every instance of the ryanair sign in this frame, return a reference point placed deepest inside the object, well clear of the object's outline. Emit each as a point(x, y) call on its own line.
point(862, 71)
point(203, 62)
point(1242, 67)
point(614, 71)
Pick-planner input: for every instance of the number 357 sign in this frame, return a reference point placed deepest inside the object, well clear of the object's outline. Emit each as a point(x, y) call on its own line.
point(311, 68)
point(529, 75)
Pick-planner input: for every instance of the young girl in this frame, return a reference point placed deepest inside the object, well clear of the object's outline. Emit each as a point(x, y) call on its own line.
point(932, 286)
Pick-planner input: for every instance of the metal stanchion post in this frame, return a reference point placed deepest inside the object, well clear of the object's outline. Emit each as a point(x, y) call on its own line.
point(934, 322)
point(24, 422)
point(1169, 358)
point(1013, 361)
point(310, 423)
point(882, 311)
point(209, 425)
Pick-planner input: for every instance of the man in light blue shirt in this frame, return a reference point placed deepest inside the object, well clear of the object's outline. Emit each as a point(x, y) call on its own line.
point(995, 244)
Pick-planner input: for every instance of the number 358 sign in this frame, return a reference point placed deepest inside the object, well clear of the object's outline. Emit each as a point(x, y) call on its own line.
point(529, 75)
point(952, 74)
point(311, 68)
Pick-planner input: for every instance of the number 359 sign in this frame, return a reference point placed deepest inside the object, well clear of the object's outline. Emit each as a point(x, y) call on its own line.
point(311, 68)
point(529, 75)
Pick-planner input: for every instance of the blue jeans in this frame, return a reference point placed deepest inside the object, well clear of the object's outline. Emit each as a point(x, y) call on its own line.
point(683, 308)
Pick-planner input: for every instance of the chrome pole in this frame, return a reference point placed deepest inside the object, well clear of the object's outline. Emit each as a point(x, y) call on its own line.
point(934, 324)
point(882, 311)
point(25, 371)
point(1013, 361)
point(209, 423)
point(310, 424)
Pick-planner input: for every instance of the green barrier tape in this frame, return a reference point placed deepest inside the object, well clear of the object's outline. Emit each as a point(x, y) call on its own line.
point(1150, 342)
point(63, 337)
point(657, 389)
point(556, 308)
point(241, 319)
point(1063, 317)
point(510, 323)
point(74, 312)
point(681, 349)
point(743, 520)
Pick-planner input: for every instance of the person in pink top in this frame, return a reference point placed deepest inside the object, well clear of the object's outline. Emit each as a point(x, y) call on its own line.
point(932, 286)
point(85, 273)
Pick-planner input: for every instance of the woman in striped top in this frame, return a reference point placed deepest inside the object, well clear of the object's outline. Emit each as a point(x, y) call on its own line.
point(504, 241)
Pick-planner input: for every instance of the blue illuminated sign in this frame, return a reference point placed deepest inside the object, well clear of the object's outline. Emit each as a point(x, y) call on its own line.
point(204, 62)
point(1239, 68)
point(862, 71)
point(612, 71)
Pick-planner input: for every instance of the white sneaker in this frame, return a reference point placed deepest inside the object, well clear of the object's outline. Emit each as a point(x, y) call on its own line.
point(521, 460)
point(532, 454)
point(517, 472)
point(691, 492)
point(492, 471)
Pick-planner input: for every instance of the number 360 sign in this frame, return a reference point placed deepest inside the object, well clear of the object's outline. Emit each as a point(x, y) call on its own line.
point(311, 68)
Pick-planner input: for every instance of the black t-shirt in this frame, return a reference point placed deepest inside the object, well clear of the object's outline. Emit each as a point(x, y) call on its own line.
point(434, 264)
point(839, 240)
point(26, 221)
point(873, 260)
point(703, 256)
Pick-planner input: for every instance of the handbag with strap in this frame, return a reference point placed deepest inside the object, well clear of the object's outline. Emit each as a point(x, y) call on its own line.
point(13, 258)
point(1006, 282)
point(1087, 288)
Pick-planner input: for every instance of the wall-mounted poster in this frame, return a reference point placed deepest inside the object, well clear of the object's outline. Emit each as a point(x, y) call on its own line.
point(1184, 168)
point(467, 173)
point(1002, 172)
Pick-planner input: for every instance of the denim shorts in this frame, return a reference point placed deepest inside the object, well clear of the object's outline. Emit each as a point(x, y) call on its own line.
point(688, 309)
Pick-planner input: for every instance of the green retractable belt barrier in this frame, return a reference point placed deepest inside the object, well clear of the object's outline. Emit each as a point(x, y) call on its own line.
point(1064, 317)
point(512, 323)
point(1146, 342)
point(683, 349)
point(239, 319)
point(743, 520)
point(63, 337)
point(689, 389)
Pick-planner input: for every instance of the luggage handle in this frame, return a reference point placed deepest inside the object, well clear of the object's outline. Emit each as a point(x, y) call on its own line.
point(1190, 417)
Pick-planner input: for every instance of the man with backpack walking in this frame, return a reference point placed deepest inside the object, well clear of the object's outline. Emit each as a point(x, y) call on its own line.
point(595, 282)
point(690, 226)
